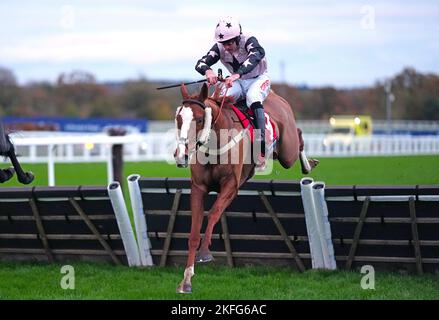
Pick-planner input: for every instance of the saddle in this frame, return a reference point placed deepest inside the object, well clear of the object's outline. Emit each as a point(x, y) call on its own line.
point(246, 117)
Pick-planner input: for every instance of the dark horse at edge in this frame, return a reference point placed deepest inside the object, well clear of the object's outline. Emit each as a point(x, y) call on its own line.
point(204, 115)
point(7, 150)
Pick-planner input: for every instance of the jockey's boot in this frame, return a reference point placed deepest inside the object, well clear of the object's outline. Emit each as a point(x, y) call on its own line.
point(258, 111)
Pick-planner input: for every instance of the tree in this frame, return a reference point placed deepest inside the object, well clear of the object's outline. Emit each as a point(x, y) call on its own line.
point(78, 90)
point(9, 91)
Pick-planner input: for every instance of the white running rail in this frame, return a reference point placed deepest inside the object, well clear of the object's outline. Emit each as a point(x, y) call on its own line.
point(53, 148)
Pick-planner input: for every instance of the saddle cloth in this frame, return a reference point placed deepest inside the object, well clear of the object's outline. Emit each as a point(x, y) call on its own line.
point(270, 132)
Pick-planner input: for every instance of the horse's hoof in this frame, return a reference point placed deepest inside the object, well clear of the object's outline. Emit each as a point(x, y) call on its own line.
point(28, 178)
point(204, 257)
point(184, 288)
point(312, 164)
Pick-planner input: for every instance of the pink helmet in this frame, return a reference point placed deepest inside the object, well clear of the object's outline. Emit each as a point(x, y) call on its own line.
point(227, 28)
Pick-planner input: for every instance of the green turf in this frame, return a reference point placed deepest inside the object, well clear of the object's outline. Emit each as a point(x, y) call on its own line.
point(333, 171)
point(105, 281)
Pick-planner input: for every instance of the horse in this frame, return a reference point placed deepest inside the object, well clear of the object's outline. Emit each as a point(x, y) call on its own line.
point(7, 150)
point(205, 115)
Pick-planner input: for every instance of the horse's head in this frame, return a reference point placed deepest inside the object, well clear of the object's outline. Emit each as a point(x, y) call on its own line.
point(193, 121)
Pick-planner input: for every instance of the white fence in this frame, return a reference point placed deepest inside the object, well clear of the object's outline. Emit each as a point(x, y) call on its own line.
point(50, 149)
point(382, 145)
point(54, 148)
point(323, 127)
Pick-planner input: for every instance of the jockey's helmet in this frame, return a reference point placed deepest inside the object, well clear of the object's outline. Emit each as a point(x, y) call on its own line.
point(227, 28)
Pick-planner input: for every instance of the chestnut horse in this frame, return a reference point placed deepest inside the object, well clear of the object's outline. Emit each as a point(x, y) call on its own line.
point(203, 116)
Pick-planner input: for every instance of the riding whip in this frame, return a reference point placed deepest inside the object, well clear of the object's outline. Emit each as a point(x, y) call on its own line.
point(220, 77)
point(177, 85)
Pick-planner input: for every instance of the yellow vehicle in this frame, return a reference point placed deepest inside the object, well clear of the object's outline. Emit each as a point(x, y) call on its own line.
point(345, 128)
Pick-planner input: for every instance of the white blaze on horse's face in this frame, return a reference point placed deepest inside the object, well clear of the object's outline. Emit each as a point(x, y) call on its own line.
point(181, 153)
point(204, 137)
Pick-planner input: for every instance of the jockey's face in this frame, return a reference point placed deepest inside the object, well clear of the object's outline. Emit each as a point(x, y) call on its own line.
point(230, 45)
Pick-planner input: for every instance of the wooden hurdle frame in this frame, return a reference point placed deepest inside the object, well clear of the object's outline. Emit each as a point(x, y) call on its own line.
point(352, 238)
point(57, 224)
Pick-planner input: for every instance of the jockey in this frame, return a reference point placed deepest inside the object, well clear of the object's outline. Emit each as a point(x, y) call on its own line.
point(245, 59)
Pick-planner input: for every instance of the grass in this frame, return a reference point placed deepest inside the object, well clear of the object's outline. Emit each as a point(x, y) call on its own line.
point(105, 281)
point(333, 171)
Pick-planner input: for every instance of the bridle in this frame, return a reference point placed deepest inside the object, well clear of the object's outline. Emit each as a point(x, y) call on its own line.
point(183, 141)
point(208, 125)
point(204, 137)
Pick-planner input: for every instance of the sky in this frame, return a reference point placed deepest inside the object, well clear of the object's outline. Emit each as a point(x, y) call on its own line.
point(313, 42)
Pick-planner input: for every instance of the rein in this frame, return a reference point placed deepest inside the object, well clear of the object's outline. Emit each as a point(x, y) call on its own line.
point(201, 145)
point(221, 107)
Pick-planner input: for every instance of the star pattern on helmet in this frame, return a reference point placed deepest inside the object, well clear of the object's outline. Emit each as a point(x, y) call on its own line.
point(246, 63)
point(221, 36)
point(212, 53)
point(228, 25)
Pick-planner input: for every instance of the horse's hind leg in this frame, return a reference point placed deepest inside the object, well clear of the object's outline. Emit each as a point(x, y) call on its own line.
point(306, 164)
point(287, 153)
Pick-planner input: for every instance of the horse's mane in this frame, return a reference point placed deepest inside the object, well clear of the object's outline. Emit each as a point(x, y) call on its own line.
point(218, 98)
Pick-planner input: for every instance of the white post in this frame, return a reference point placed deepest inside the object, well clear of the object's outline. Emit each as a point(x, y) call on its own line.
point(139, 221)
point(311, 223)
point(110, 177)
point(323, 225)
point(86, 153)
point(50, 165)
point(33, 153)
point(69, 153)
point(124, 224)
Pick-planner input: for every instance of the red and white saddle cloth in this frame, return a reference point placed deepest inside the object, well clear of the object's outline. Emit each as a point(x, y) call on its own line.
point(270, 135)
point(270, 132)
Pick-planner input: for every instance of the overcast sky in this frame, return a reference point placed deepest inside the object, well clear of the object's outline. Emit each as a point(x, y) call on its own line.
point(341, 43)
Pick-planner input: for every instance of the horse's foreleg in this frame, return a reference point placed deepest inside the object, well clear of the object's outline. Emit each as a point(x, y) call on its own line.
point(197, 208)
point(7, 149)
point(6, 174)
point(23, 177)
point(224, 199)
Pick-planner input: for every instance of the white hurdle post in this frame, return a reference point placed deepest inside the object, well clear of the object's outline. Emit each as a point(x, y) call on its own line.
point(124, 224)
point(317, 224)
point(311, 223)
point(318, 190)
point(139, 221)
